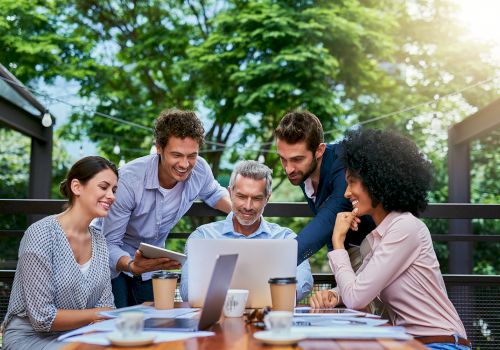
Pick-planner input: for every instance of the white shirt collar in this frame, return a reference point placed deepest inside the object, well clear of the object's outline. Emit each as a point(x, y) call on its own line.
point(309, 189)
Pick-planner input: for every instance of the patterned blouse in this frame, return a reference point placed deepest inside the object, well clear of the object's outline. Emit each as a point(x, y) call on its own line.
point(48, 276)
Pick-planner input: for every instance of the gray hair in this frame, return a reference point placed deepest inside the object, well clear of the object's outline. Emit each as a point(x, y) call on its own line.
point(253, 170)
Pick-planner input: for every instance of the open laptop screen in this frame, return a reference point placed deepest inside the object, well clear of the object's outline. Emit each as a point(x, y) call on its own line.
point(258, 260)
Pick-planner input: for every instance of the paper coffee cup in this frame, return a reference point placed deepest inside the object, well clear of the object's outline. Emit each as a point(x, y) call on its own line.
point(283, 293)
point(164, 284)
point(236, 299)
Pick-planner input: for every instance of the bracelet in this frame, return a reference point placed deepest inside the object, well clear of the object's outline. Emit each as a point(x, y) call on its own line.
point(129, 266)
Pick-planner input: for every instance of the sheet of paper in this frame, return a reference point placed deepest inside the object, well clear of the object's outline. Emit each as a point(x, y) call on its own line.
point(193, 314)
point(171, 313)
point(104, 326)
point(116, 312)
point(337, 321)
point(102, 339)
point(352, 332)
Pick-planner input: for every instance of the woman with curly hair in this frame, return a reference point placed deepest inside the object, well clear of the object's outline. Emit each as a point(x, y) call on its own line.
point(388, 178)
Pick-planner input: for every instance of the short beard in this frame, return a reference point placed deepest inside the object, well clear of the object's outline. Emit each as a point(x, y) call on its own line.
point(311, 170)
point(246, 222)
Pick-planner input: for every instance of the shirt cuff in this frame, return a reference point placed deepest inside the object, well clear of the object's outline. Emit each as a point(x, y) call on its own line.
point(338, 259)
point(115, 254)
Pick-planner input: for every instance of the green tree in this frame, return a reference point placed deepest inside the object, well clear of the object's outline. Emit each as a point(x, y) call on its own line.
point(263, 58)
point(244, 63)
point(138, 47)
point(36, 42)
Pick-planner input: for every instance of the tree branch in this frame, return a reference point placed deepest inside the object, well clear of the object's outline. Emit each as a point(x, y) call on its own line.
point(203, 31)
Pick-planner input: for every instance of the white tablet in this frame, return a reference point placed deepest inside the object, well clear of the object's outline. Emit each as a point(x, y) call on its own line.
point(153, 252)
point(308, 311)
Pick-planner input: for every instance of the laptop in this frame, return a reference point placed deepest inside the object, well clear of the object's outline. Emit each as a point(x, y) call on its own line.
point(258, 260)
point(214, 301)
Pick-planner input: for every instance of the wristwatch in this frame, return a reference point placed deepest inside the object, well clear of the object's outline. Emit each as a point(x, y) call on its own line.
point(129, 267)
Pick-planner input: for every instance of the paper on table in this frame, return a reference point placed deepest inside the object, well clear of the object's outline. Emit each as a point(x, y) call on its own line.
point(101, 338)
point(352, 332)
point(109, 325)
point(193, 314)
point(171, 313)
point(104, 326)
point(116, 312)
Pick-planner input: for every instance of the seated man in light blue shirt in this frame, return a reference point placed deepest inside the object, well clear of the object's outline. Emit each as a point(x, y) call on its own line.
point(153, 194)
point(249, 189)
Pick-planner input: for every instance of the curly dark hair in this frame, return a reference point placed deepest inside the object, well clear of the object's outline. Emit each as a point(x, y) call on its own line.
point(390, 166)
point(178, 123)
point(298, 126)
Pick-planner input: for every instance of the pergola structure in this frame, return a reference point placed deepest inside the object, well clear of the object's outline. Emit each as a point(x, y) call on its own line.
point(21, 111)
point(460, 136)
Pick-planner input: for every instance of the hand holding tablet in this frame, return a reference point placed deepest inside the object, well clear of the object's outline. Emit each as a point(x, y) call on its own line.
point(152, 252)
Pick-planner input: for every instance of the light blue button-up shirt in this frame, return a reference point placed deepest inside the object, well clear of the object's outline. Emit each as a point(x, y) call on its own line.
point(224, 229)
point(137, 214)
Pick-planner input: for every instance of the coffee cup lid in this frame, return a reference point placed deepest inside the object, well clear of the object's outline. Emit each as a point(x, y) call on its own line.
point(283, 280)
point(165, 275)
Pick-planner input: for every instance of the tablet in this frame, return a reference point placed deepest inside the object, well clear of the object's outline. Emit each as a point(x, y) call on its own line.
point(153, 252)
point(307, 311)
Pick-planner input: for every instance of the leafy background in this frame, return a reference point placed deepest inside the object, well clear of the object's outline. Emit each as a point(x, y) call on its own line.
point(241, 65)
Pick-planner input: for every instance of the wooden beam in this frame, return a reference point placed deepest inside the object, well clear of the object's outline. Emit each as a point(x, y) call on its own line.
point(473, 127)
point(18, 119)
point(19, 87)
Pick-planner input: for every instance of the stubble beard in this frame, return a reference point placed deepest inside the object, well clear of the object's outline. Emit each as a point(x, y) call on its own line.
point(312, 168)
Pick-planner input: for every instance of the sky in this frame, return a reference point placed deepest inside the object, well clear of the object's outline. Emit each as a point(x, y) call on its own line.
point(67, 92)
point(482, 17)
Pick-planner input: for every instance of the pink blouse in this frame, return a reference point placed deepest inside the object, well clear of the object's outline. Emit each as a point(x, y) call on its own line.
point(401, 269)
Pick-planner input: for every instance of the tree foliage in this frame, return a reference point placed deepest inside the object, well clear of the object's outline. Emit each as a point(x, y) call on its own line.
point(243, 64)
point(262, 59)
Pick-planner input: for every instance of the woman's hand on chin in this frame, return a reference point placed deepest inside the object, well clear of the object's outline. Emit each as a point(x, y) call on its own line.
point(344, 221)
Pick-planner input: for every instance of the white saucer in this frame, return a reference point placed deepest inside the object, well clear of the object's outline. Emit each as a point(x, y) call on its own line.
point(142, 339)
point(272, 338)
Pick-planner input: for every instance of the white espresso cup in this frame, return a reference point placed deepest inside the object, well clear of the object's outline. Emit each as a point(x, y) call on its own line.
point(279, 322)
point(236, 299)
point(130, 324)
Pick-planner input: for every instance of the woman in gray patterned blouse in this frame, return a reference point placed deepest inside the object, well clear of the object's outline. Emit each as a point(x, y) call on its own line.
point(62, 280)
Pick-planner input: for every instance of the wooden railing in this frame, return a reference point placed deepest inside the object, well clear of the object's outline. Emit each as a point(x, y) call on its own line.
point(281, 209)
point(476, 297)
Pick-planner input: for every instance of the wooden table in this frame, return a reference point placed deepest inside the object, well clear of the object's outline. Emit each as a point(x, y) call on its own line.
point(233, 333)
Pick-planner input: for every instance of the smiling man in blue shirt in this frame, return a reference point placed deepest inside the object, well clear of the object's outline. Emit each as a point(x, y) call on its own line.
point(153, 194)
point(250, 188)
